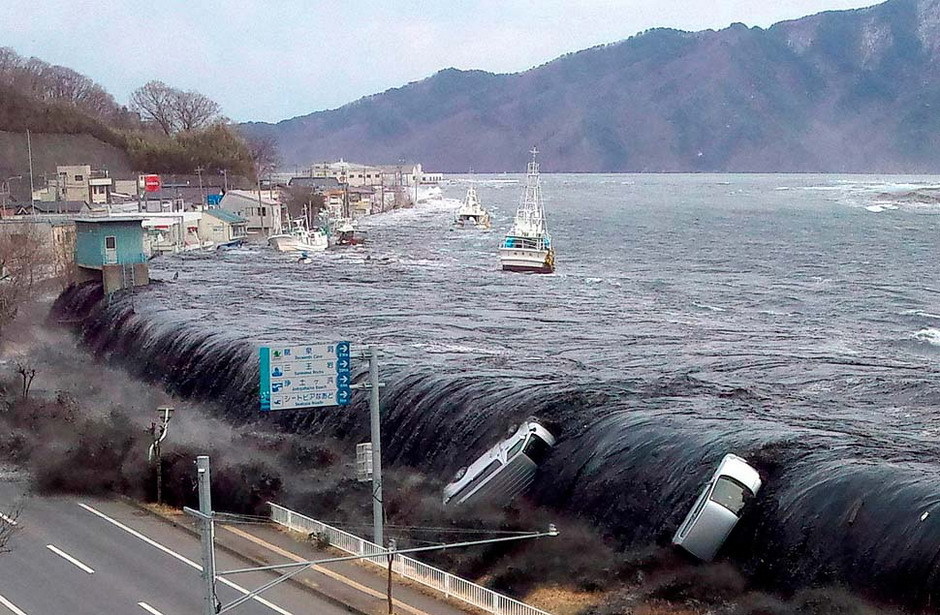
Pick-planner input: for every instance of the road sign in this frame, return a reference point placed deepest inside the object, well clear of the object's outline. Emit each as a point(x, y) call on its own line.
point(307, 376)
point(152, 183)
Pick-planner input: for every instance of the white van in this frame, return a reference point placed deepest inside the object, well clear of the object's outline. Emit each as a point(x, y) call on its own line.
point(504, 471)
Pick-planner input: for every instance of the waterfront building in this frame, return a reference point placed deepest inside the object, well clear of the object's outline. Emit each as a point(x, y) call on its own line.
point(222, 227)
point(111, 249)
point(262, 211)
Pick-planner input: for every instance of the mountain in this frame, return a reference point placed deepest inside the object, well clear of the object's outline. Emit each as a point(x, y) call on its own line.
point(841, 91)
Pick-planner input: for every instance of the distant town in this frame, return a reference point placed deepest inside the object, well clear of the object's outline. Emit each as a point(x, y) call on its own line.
point(177, 213)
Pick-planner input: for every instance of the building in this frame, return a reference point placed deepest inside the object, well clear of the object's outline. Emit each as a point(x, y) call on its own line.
point(262, 211)
point(317, 184)
point(222, 227)
point(47, 208)
point(349, 173)
point(77, 183)
point(111, 249)
point(171, 232)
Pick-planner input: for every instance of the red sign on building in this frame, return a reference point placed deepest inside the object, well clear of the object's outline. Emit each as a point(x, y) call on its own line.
point(152, 183)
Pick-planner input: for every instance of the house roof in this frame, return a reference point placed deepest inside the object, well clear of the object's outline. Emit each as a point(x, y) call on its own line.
point(314, 182)
point(225, 216)
point(251, 195)
point(54, 207)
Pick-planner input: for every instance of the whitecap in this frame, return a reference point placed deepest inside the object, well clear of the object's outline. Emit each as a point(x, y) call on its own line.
point(929, 335)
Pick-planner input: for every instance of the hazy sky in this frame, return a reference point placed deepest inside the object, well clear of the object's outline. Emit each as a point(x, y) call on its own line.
point(274, 59)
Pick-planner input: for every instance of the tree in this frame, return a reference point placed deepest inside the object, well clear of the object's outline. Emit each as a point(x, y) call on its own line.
point(155, 102)
point(8, 526)
point(264, 155)
point(25, 260)
point(195, 111)
point(174, 110)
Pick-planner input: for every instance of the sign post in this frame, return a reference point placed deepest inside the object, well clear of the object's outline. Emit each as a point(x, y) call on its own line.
point(307, 376)
point(318, 375)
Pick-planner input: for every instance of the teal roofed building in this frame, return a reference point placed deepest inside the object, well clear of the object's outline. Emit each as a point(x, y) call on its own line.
point(223, 228)
point(111, 249)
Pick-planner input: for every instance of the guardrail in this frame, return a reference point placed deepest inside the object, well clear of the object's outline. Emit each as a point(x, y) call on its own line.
point(446, 583)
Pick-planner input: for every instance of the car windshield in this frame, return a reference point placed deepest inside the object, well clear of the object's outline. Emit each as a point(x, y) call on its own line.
point(731, 494)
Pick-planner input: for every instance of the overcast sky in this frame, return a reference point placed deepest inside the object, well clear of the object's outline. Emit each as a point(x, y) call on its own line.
point(275, 59)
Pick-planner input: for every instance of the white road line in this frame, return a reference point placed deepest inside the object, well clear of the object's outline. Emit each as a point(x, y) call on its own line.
point(11, 606)
point(9, 520)
point(185, 560)
point(149, 608)
point(69, 558)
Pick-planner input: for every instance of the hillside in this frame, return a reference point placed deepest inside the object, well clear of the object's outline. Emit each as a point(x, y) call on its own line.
point(842, 91)
point(74, 120)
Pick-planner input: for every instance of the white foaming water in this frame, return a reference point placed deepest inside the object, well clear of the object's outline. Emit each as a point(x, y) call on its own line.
point(928, 335)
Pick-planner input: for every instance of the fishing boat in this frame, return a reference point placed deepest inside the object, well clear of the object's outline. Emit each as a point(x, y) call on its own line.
point(345, 233)
point(472, 213)
point(298, 238)
point(528, 244)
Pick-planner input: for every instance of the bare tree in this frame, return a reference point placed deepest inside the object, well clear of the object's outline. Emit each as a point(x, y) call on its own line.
point(27, 372)
point(25, 261)
point(264, 155)
point(155, 102)
point(174, 110)
point(9, 524)
point(195, 111)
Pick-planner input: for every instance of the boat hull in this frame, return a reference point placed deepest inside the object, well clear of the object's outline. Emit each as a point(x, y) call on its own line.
point(524, 260)
point(289, 243)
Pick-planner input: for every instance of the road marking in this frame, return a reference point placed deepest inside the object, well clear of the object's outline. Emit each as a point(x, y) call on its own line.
point(149, 608)
point(69, 558)
point(9, 520)
point(185, 560)
point(329, 573)
point(11, 606)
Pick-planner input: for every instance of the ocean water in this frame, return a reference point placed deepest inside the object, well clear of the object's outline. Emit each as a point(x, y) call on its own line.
point(791, 319)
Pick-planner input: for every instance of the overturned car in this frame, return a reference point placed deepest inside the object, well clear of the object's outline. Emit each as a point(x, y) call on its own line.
point(504, 471)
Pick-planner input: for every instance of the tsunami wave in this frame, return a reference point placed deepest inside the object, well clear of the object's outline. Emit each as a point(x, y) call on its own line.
point(631, 457)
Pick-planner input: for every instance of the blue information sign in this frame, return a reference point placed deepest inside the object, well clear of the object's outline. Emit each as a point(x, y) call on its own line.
point(307, 376)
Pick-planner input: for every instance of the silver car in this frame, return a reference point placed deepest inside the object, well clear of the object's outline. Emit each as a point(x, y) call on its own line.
point(718, 508)
point(504, 471)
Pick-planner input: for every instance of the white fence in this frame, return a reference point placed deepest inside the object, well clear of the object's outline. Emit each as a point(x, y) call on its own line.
point(406, 567)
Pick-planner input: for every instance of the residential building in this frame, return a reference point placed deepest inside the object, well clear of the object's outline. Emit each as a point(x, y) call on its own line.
point(171, 232)
point(46, 208)
point(222, 227)
point(111, 249)
point(77, 183)
point(262, 211)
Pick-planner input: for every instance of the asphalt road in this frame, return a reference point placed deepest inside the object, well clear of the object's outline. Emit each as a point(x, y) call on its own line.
point(83, 556)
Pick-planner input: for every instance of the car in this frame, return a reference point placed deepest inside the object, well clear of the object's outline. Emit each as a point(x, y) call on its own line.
point(718, 508)
point(504, 471)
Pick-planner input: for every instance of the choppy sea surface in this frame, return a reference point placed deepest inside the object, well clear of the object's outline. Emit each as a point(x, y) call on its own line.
point(791, 319)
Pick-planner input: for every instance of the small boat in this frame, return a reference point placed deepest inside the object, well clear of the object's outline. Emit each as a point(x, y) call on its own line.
point(346, 234)
point(528, 244)
point(300, 239)
point(471, 213)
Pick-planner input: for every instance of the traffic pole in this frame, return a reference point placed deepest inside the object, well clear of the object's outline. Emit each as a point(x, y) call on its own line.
point(207, 531)
point(377, 508)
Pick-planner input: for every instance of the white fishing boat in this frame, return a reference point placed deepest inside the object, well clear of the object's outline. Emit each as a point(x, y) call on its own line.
point(345, 233)
point(528, 244)
point(300, 239)
point(471, 213)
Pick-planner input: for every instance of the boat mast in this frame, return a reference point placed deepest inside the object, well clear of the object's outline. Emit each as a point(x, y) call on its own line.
point(530, 214)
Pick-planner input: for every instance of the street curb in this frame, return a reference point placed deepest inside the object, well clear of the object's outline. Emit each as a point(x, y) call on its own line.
point(251, 560)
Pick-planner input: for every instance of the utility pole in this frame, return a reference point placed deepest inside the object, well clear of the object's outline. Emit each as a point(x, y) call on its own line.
point(391, 559)
point(202, 192)
point(210, 605)
point(29, 149)
point(158, 433)
point(377, 506)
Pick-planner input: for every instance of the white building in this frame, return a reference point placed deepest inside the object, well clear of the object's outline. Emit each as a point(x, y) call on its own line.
point(262, 211)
